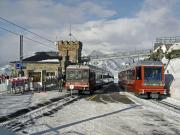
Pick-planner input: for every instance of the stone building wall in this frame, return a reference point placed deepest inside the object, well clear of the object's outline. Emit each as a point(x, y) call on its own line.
point(38, 67)
point(70, 52)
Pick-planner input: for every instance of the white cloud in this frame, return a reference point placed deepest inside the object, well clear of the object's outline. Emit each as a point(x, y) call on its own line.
point(130, 33)
point(47, 18)
point(96, 9)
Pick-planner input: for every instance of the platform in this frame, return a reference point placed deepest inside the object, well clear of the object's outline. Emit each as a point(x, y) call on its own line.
point(12, 103)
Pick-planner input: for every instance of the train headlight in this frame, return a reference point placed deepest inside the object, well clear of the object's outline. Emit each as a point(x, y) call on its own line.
point(162, 84)
point(71, 87)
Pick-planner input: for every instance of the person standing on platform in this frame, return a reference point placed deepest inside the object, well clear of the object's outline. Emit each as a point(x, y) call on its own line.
point(60, 82)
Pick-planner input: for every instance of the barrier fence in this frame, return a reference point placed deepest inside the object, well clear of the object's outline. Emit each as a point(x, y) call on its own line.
point(22, 84)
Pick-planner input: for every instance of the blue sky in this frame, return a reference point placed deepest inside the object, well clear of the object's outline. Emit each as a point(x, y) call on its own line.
point(123, 8)
point(126, 8)
point(106, 25)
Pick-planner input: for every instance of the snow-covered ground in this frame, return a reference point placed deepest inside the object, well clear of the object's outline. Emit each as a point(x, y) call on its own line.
point(86, 117)
point(11, 103)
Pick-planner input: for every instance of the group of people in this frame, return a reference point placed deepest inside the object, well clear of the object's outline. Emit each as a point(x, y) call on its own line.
point(11, 83)
point(15, 83)
point(18, 82)
point(3, 78)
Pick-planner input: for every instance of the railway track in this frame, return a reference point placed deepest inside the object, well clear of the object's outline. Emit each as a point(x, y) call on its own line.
point(163, 104)
point(167, 105)
point(17, 123)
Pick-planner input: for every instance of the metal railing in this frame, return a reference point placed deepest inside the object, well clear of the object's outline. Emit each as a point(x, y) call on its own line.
point(168, 40)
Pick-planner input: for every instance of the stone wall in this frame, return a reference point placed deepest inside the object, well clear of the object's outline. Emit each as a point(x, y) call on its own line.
point(72, 49)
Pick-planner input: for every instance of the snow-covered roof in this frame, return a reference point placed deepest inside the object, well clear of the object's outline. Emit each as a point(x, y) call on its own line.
point(49, 60)
point(162, 47)
point(156, 49)
point(174, 47)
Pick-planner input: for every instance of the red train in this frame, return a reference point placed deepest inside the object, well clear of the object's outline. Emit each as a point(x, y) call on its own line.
point(144, 78)
point(86, 77)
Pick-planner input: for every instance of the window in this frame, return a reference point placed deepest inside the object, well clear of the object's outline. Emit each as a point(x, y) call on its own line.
point(152, 74)
point(36, 76)
point(138, 73)
point(77, 74)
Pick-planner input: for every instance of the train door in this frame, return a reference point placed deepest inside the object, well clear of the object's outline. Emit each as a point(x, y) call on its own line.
point(92, 79)
point(138, 79)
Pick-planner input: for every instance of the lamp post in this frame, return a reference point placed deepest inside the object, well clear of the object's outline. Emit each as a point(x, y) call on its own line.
point(21, 56)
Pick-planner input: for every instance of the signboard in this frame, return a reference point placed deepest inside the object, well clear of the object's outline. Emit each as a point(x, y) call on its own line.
point(18, 66)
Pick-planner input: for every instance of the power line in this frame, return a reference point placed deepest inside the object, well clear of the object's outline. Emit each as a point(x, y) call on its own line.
point(9, 31)
point(12, 32)
point(26, 29)
point(38, 42)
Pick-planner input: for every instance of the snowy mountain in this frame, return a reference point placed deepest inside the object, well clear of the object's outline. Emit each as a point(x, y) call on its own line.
point(96, 53)
point(113, 65)
point(5, 70)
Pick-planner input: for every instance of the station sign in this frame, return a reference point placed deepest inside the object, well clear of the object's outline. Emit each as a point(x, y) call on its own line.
point(20, 66)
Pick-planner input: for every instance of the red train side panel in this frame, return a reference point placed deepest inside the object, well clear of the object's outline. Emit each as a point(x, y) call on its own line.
point(146, 77)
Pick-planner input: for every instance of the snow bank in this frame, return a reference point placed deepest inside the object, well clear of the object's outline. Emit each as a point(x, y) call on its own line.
point(162, 47)
point(172, 77)
point(174, 47)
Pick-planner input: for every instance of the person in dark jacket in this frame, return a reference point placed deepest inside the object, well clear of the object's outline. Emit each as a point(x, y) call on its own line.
point(60, 82)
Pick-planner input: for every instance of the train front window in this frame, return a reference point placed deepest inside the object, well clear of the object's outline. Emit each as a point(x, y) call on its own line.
point(138, 73)
point(77, 74)
point(152, 75)
point(85, 74)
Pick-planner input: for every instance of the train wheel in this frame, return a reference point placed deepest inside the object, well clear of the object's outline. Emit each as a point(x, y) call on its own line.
point(159, 96)
point(80, 92)
point(91, 92)
point(149, 95)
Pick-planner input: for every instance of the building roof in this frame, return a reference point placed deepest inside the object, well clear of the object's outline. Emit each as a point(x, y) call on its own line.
point(39, 56)
point(47, 57)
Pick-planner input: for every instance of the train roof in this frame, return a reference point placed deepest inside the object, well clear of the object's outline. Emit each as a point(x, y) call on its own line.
point(78, 66)
point(86, 67)
point(144, 63)
point(149, 63)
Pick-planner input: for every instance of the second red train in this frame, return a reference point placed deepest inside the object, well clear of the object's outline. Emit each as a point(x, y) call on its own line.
point(144, 78)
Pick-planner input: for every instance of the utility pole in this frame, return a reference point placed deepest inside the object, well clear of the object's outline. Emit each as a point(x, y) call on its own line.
point(70, 34)
point(21, 55)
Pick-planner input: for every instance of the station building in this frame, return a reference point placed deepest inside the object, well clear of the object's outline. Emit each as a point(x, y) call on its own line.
point(44, 65)
point(40, 66)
